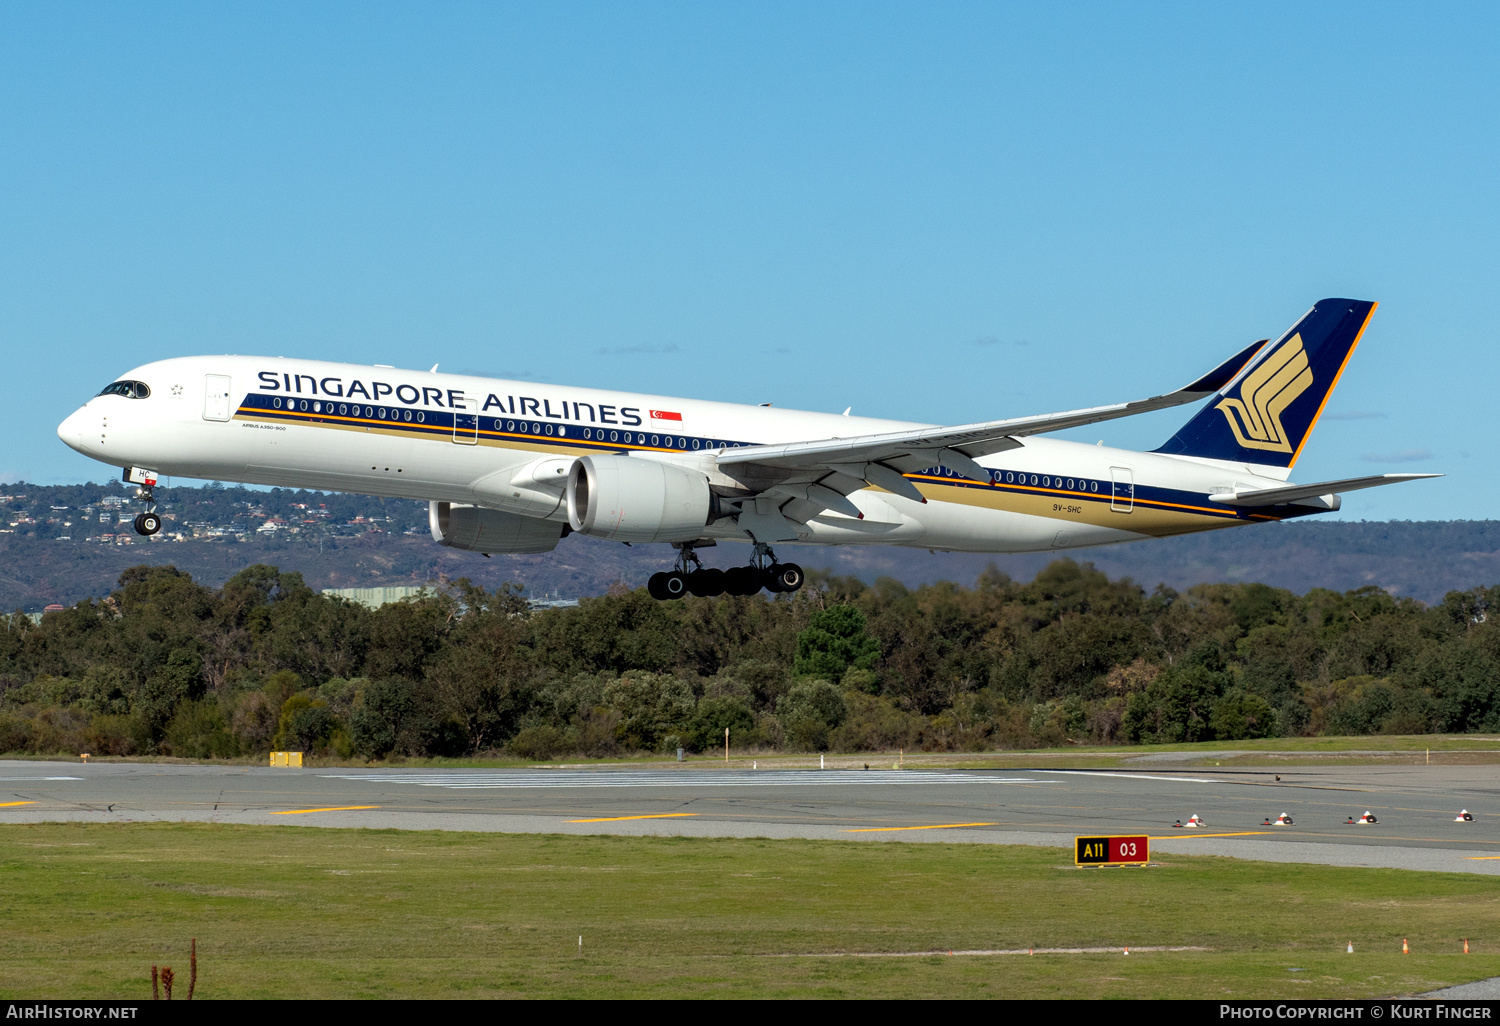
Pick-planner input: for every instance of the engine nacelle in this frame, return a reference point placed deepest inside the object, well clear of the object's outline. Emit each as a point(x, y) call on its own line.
point(478, 529)
point(625, 498)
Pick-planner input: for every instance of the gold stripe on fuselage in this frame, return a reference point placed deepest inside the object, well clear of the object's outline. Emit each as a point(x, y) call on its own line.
point(1152, 517)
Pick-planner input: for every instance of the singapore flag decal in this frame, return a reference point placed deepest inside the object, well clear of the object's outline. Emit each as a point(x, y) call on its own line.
point(665, 415)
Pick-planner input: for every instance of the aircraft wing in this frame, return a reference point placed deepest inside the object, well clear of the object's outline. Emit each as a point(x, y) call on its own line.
point(1292, 493)
point(956, 447)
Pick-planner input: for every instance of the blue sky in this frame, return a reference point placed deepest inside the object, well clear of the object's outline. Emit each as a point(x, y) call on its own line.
point(942, 212)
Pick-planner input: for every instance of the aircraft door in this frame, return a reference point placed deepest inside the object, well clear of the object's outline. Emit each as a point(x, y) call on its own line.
point(466, 423)
point(1122, 489)
point(216, 397)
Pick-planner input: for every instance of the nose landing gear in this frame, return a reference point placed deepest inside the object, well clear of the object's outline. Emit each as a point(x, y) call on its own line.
point(149, 522)
point(690, 577)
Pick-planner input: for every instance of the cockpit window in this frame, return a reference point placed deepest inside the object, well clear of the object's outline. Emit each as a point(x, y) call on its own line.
point(129, 389)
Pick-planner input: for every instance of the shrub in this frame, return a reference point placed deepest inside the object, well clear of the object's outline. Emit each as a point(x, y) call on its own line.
point(112, 735)
point(254, 721)
point(200, 731)
point(809, 712)
point(538, 743)
point(652, 705)
point(714, 716)
point(873, 724)
point(1240, 715)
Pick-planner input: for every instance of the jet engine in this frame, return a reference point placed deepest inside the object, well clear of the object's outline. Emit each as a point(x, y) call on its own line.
point(625, 498)
point(478, 529)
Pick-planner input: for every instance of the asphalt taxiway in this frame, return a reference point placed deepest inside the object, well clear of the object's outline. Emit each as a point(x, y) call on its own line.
point(1415, 806)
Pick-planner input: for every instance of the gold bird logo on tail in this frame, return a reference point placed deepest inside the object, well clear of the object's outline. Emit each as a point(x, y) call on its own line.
point(1255, 417)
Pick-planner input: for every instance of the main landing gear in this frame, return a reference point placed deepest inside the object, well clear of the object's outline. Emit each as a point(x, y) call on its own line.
point(690, 577)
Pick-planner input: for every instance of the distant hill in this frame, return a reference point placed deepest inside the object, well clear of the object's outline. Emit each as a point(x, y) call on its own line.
point(62, 543)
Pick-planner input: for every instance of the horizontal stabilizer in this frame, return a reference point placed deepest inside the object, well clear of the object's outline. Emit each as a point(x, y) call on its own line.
point(1293, 493)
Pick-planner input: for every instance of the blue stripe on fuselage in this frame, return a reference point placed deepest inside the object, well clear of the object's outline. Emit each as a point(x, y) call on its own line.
point(440, 424)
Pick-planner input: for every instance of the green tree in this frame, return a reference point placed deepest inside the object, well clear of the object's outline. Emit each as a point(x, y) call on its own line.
point(656, 707)
point(1175, 707)
point(715, 715)
point(809, 712)
point(833, 641)
point(394, 716)
point(1240, 715)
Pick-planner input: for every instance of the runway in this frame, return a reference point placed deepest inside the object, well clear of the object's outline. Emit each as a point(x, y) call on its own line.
point(1415, 805)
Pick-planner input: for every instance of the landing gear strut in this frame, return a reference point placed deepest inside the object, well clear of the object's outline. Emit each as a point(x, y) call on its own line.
point(689, 576)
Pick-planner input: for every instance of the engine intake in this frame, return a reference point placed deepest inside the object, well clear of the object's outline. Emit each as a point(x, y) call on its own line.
point(477, 529)
point(624, 498)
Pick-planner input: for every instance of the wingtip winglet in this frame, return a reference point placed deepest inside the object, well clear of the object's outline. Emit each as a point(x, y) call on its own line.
point(1225, 372)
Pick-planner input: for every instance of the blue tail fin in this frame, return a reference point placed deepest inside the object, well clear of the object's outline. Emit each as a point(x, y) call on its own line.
point(1266, 412)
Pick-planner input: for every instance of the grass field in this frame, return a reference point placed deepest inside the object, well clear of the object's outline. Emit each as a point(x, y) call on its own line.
point(307, 912)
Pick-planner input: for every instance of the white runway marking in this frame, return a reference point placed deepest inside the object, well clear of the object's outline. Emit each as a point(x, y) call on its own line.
point(746, 778)
point(1138, 776)
point(41, 778)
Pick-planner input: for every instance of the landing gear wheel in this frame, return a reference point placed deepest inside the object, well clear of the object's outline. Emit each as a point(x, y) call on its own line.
point(674, 584)
point(743, 580)
point(706, 583)
point(147, 524)
point(784, 577)
point(656, 587)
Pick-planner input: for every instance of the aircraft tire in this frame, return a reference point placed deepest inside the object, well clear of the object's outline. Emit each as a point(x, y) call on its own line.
point(656, 587)
point(785, 577)
point(675, 585)
point(147, 524)
point(706, 583)
point(742, 580)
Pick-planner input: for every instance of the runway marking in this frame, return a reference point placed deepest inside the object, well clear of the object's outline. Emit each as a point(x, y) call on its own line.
point(1481, 858)
point(6, 805)
point(1139, 776)
point(1001, 951)
point(336, 808)
point(705, 778)
point(1195, 837)
point(617, 819)
point(41, 778)
point(935, 826)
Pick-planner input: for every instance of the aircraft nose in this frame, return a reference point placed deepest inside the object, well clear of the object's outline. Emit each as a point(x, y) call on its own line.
point(71, 430)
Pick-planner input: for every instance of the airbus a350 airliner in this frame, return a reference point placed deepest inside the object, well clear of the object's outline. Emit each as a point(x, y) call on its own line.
point(510, 466)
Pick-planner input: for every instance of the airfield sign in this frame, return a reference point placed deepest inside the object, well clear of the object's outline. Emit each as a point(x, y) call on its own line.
point(1118, 851)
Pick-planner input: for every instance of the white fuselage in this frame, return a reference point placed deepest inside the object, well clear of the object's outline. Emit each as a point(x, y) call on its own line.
point(462, 439)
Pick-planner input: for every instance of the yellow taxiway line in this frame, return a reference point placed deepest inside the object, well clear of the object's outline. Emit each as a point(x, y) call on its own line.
point(6, 805)
point(1189, 837)
point(935, 826)
point(617, 819)
point(336, 808)
point(1480, 858)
